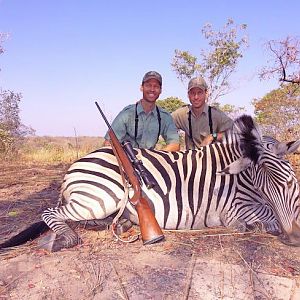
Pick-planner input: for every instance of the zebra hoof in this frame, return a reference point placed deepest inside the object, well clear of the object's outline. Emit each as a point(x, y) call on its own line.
point(255, 227)
point(123, 226)
point(46, 241)
point(274, 232)
point(54, 242)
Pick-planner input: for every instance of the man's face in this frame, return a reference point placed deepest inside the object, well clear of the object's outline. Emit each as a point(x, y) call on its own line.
point(151, 90)
point(197, 97)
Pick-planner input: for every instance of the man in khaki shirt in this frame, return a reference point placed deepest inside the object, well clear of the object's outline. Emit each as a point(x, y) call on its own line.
point(201, 123)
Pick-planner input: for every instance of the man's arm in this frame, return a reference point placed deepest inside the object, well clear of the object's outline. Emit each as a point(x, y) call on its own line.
point(223, 123)
point(170, 134)
point(172, 147)
point(210, 138)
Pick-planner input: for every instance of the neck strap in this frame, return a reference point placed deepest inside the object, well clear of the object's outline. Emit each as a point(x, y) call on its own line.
point(136, 124)
point(210, 120)
point(190, 124)
point(190, 128)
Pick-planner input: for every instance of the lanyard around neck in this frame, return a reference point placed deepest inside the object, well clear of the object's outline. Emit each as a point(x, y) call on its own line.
point(190, 124)
point(136, 124)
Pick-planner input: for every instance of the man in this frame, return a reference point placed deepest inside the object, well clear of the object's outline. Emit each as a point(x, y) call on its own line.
point(143, 122)
point(201, 123)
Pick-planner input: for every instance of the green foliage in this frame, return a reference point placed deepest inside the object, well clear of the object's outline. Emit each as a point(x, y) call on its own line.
point(185, 64)
point(231, 110)
point(170, 104)
point(11, 129)
point(216, 64)
point(278, 112)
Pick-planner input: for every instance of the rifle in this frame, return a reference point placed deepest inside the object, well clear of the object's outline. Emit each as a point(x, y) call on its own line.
point(150, 230)
point(138, 165)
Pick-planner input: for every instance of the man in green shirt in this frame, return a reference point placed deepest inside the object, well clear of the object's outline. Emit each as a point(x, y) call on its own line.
point(201, 123)
point(143, 122)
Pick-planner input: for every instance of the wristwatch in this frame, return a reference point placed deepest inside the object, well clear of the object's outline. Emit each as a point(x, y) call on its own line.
point(215, 136)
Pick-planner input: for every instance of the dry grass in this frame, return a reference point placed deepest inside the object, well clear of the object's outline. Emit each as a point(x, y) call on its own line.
point(57, 149)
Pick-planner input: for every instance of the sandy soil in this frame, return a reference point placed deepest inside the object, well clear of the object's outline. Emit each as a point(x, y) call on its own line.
point(209, 264)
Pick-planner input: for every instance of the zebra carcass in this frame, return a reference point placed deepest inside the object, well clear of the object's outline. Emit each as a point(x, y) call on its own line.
point(241, 182)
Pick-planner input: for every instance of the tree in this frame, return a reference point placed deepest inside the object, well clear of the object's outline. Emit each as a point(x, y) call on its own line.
point(11, 129)
point(3, 37)
point(218, 63)
point(170, 104)
point(231, 110)
point(278, 112)
point(285, 61)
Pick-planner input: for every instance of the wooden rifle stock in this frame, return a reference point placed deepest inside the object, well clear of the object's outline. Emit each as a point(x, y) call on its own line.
point(150, 230)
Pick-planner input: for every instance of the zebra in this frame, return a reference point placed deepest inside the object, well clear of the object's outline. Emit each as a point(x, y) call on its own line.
point(241, 183)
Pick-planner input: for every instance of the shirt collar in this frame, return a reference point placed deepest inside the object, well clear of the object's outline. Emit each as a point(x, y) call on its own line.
point(205, 108)
point(140, 109)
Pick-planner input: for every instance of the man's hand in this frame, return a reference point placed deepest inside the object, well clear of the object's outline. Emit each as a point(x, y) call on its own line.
point(207, 140)
point(172, 147)
point(106, 143)
point(210, 139)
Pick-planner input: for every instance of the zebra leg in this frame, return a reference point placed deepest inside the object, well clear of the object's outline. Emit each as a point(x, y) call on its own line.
point(64, 236)
point(123, 225)
point(271, 228)
point(241, 225)
point(233, 223)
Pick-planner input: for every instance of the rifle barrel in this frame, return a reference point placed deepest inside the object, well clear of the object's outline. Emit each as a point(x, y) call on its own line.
point(103, 115)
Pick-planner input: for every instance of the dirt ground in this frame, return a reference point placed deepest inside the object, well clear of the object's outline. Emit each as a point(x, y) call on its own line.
point(208, 264)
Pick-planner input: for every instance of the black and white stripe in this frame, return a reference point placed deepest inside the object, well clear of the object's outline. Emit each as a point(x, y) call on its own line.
point(242, 182)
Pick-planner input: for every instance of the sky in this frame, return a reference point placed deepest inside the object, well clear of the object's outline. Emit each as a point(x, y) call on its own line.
point(64, 55)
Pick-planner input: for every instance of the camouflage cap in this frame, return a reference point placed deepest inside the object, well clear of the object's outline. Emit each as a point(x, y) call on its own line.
point(197, 82)
point(152, 75)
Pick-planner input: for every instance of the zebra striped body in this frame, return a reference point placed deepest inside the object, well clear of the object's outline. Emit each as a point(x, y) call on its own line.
point(189, 194)
point(241, 182)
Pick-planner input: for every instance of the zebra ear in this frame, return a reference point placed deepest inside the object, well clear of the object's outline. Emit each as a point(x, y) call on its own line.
point(281, 149)
point(236, 167)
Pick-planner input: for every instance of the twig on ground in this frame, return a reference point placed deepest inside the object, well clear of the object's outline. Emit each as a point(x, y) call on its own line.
point(99, 277)
point(120, 283)
point(220, 242)
point(189, 277)
point(252, 272)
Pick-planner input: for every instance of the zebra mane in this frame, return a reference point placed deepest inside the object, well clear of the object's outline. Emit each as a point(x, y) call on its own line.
point(249, 137)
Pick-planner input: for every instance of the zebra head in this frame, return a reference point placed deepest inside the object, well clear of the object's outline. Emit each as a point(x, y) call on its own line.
point(273, 178)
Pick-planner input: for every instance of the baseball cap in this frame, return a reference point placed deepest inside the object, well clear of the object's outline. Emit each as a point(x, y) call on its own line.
point(152, 75)
point(197, 82)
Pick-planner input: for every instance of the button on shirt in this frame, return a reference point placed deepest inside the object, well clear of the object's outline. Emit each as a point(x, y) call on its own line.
point(148, 127)
point(200, 124)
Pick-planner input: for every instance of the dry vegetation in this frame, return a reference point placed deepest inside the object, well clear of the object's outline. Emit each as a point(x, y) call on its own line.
point(57, 149)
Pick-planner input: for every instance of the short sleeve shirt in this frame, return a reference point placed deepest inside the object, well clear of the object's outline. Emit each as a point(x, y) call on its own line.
point(200, 124)
point(148, 127)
